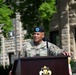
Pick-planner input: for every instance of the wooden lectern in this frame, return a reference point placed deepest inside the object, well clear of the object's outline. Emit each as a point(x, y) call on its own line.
point(36, 65)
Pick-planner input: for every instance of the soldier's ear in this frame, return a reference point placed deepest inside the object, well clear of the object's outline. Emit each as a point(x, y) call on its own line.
point(42, 34)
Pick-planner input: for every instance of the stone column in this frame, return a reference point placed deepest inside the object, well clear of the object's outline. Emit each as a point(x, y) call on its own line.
point(64, 25)
point(72, 22)
point(3, 51)
point(18, 34)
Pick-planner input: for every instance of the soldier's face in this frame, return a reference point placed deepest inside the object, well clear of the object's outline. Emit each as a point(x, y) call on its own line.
point(38, 36)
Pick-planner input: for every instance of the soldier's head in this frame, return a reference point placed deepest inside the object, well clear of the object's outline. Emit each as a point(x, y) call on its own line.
point(38, 34)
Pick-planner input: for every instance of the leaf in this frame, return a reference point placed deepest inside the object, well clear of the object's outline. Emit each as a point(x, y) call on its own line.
point(5, 13)
point(47, 9)
point(34, 13)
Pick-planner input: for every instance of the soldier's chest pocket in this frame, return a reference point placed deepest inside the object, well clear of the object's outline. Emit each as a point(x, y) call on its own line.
point(31, 53)
point(43, 52)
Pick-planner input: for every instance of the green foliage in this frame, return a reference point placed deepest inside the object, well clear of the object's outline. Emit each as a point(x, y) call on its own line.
point(47, 9)
point(5, 20)
point(34, 13)
point(72, 63)
point(73, 66)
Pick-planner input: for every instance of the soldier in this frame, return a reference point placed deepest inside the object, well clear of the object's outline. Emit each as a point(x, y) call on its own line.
point(38, 47)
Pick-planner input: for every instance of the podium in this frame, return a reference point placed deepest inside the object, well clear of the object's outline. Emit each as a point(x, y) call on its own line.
point(57, 65)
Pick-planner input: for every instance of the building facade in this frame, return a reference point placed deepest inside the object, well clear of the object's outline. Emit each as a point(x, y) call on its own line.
point(13, 44)
point(63, 26)
point(62, 32)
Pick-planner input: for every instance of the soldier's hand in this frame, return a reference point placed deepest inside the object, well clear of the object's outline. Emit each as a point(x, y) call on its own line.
point(10, 73)
point(66, 53)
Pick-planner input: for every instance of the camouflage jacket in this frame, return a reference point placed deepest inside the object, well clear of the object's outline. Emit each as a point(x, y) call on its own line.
point(30, 49)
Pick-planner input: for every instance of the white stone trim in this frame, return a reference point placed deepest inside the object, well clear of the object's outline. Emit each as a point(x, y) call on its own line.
point(73, 1)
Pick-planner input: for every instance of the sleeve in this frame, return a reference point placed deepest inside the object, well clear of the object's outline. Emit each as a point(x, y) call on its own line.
point(55, 50)
point(23, 52)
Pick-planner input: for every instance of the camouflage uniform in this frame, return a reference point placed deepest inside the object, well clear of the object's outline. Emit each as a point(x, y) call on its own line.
point(30, 49)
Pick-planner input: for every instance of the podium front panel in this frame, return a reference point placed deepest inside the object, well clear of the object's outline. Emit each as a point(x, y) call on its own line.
point(33, 65)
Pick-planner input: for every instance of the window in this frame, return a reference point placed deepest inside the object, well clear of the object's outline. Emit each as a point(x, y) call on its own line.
point(0, 44)
point(54, 38)
point(56, 2)
point(11, 58)
point(11, 34)
point(75, 34)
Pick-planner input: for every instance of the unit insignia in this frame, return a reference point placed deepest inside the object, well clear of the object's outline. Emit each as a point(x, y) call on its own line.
point(45, 71)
